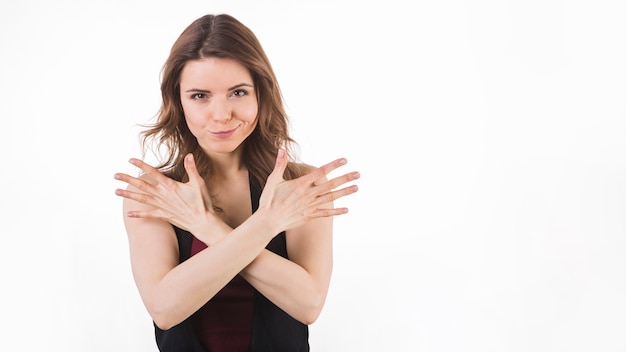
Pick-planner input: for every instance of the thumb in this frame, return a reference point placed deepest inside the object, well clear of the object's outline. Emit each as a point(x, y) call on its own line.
point(279, 168)
point(196, 180)
point(192, 170)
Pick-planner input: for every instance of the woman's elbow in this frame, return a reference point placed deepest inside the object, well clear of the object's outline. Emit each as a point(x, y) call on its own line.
point(309, 318)
point(163, 318)
point(310, 314)
point(163, 324)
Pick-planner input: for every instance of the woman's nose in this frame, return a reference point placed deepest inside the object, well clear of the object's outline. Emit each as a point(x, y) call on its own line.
point(221, 110)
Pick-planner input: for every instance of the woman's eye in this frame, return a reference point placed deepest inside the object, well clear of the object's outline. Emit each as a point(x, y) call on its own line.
point(198, 96)
point(240, 93)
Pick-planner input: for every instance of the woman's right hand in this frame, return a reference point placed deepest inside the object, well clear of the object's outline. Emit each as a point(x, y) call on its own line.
point(298, 201)
point(185, 205)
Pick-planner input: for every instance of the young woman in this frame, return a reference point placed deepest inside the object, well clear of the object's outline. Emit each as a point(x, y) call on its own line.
point(230, 239)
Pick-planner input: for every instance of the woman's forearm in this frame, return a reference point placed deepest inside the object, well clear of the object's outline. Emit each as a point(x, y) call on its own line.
point(285, 283)
point(189, 285)
point(288, 285)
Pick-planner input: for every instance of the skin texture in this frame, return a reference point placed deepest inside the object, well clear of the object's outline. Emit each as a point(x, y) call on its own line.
point(220, 107)
point(228, 105)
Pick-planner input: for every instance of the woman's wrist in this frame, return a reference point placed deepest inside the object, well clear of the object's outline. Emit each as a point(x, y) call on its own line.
point(266, 224)
point(211, 229)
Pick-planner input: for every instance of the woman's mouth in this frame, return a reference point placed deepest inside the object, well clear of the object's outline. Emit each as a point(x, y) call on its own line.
point(224, 134)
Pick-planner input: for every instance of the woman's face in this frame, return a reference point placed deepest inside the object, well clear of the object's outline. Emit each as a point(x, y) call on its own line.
point(219, 103)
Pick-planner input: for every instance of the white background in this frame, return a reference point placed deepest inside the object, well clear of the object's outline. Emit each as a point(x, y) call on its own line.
point(490, 136)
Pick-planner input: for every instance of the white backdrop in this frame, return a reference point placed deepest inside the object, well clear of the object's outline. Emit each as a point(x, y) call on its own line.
point(489, 135)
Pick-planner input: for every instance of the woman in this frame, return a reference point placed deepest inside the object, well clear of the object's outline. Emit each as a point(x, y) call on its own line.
point(230, 239)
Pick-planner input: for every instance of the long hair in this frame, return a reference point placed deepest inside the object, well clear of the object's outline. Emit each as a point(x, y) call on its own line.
point(220, 36)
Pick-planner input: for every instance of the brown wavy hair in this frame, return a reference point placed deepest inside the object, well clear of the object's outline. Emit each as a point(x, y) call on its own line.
point(220, 36)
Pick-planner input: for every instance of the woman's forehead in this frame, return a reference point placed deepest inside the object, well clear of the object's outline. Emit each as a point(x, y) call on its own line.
point(218, 73)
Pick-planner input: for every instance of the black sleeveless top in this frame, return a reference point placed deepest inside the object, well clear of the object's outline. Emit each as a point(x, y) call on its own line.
point(273, 330)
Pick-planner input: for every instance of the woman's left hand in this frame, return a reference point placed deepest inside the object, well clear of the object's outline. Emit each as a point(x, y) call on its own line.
point(185, 205)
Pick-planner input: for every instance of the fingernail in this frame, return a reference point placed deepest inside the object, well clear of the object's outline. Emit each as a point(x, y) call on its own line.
point(281, 152)
point(355, 175)
point(343, 161)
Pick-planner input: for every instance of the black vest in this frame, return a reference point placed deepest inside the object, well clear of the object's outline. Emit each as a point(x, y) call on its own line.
point(273, 330)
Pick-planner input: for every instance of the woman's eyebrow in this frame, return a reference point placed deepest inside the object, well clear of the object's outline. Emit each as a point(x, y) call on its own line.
point(197, 90)
point(241, 85)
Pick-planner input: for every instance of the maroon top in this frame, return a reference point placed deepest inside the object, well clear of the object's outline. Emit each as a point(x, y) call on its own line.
point(225, 322)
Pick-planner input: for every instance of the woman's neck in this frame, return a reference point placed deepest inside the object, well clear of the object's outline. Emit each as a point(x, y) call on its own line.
point(228, 165)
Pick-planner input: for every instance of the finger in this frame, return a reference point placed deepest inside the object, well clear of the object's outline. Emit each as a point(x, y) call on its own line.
point(279, 168)
point(197, 180)
point(145, 214)
point(192, 170)
point(334, 195)
point(139, 183)
point(321, 172)
point(136, 196)
point(324, 212)
point(150, 171)
point(323, 187)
